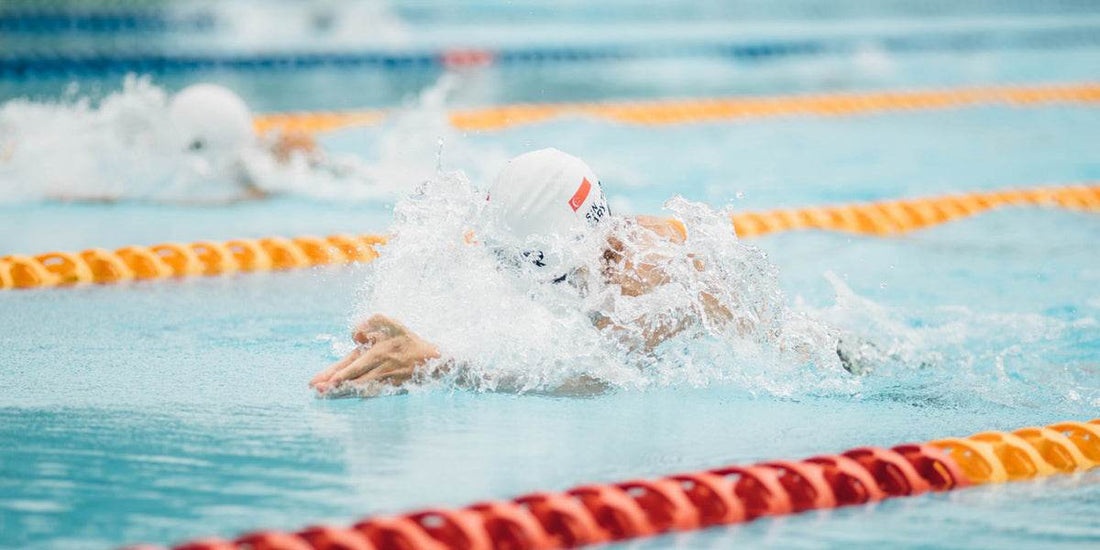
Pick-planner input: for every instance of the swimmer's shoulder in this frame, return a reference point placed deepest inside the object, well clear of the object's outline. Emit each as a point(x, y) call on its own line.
point(668, 228)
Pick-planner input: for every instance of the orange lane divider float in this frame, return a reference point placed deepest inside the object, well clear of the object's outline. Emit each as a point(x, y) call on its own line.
point(184, 260)
point(310, 123)
point(601, 513)
point(902, 216)
point(707, 109)
point(276, 253)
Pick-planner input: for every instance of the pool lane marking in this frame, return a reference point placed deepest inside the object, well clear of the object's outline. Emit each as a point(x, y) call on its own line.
point(170, 260)
point(600, 513)
point(900, 216)
point(51, 60)
point(671, 111)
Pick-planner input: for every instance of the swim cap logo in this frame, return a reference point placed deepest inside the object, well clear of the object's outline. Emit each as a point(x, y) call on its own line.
point(580, 195)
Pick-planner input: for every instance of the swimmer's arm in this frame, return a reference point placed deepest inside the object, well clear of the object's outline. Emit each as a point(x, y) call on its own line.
point(670, 229)
point(637, 277)
point(292, 142)
point(657, 333)
point(387, 354)
point(653, 334)
point(675, 232)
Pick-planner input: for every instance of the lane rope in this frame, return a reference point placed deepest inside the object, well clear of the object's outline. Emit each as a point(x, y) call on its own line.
point(50, 16)
point(897, 217)
point(709, 109)
point(52, 20)
point(610, 512)
point(53, 62)
point(169, 260)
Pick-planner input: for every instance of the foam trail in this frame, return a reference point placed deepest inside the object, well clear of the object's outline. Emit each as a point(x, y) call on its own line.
point(107, 148)
point(125, 148)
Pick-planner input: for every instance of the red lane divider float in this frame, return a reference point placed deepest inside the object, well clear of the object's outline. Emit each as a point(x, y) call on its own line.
point(601, 513)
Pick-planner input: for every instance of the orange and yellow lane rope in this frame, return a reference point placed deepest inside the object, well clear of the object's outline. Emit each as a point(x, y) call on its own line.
point(704, 110)
point(169, 260)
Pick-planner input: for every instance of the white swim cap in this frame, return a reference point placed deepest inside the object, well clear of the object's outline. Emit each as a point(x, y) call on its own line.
point(211, 120)
point(545, 193)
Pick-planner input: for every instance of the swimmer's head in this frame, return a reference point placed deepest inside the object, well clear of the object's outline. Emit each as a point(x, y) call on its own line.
point(546, 192)
point(211, 121)
point(544, 196)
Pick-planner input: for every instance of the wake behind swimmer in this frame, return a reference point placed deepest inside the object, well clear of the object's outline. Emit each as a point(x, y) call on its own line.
point(536, 286)
point(197, 146)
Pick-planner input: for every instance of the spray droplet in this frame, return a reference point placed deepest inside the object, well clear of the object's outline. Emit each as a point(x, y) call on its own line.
point(439, 156)
point(740, 194)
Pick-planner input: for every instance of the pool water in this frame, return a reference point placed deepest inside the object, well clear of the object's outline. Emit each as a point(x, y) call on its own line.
point(163, 411)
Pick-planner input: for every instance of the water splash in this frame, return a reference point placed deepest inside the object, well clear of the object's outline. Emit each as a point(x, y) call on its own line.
point(106, 148)
point(506, 327)
point(125, 148)
point(955, 356)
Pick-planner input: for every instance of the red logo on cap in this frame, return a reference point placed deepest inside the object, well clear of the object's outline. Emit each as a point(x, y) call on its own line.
point(580, 195)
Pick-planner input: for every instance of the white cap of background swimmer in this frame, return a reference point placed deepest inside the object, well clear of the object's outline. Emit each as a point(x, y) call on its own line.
point(545, 193)
point(211, 120)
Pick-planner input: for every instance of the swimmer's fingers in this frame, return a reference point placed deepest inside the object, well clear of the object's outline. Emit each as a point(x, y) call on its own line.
point(384, 378)
point(327, 373)
point(393, 373)
point(366, 362)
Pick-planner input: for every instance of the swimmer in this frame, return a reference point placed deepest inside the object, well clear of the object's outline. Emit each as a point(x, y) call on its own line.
point(199, 147)
point(537, 195)
point(213, 127)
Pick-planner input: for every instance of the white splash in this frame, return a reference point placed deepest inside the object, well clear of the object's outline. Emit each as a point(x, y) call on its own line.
point(956, 354)
point(506, 327)
point(79, 151)
point(124, 148)
point(416, 140)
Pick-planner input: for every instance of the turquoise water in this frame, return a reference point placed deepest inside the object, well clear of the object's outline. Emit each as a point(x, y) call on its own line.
point(753, 164)
point(165, 411)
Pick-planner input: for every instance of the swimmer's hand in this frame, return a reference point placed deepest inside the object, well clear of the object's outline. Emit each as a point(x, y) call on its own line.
point(387, 354)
